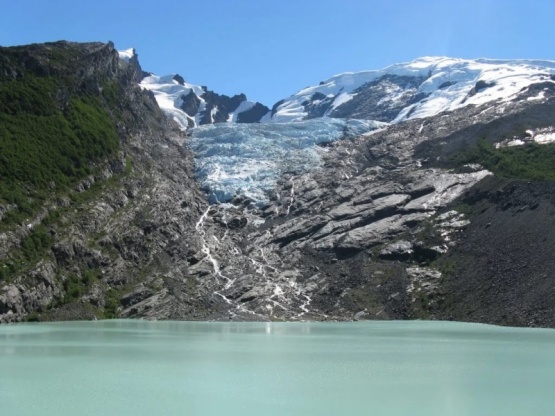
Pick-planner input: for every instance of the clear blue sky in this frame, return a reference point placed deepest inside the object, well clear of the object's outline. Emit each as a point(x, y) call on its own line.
point(269, 49)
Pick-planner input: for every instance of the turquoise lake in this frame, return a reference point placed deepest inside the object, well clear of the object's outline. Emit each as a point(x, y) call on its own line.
point(189, 368)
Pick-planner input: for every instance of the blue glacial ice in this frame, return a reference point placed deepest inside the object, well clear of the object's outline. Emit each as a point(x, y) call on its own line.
point(248, 159)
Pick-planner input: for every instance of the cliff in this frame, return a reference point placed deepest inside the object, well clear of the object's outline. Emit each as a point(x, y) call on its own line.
point(108, 219)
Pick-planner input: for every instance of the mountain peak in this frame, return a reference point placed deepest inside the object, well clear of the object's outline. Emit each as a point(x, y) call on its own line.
point(193, 105)
point(421, 88)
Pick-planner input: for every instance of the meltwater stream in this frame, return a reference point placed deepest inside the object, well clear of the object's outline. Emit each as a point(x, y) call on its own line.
point(363, 368)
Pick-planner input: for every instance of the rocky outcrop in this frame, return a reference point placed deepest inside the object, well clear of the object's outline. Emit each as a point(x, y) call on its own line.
point(85, 60)
point(219, 107)
point(382, 99)
point(501, 269)
point(253, 114)
point(190, 105)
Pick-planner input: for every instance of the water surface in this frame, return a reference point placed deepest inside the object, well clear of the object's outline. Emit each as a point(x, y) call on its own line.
point(188, 368)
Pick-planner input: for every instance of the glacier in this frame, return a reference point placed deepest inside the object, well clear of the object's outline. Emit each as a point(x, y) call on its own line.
point(248, 159)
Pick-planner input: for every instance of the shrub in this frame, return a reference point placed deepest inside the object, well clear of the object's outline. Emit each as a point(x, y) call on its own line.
point(49, 139)
point(531, 161)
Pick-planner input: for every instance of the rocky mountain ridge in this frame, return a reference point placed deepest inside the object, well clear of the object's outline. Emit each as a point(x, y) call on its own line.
point(420, 218)
point(422, 88)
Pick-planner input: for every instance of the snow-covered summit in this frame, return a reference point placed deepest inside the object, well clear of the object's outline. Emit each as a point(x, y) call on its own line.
point(192, 105)
point(236, 159)
point(403, 91)
point(169, 93)
point(417, 89)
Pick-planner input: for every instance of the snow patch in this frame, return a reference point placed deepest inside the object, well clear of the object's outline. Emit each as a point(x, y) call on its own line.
point(126, 54)
point(547, 137)
point(540, 136)
point(244, 106)
point(538, 97)
point(168, 93)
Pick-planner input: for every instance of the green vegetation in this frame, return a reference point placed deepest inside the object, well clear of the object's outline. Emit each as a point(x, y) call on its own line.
point(49, 139)
point(56, 128)
point(76, 286)
point(33, 317)
point(128, 165)
point(7, 270)
point(446, 266)
point(531, 161)
point(112, 300)
point(34, 246)
point(58, 125)
point(463, 209)
point(32, 249)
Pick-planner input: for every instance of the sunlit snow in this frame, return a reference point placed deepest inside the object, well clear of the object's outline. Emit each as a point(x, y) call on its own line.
point(547, 137)
point(541, 136)
point(244, 106)
point(168, 93)
point(503, 80)
point(126, 54)
point(506, 77)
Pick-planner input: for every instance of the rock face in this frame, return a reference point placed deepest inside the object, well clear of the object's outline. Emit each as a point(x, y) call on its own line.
point(374, 99)
point(502, 268)
point(89, 60)
point(385, 226)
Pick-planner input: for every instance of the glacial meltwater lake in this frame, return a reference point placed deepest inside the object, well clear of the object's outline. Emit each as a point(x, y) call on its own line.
point(123, 367)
